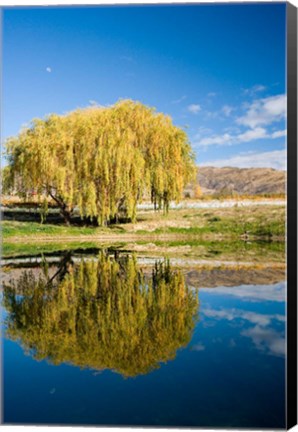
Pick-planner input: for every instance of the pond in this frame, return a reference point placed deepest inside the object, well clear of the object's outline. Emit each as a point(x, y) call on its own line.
point(107, 337)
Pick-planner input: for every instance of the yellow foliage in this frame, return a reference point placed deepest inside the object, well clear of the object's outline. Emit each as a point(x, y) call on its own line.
point(102, 160)
point(102, 314)
point(198, 191)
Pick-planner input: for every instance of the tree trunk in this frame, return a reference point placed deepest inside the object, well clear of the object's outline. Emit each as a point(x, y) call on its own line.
point(66, 215)
point(64, 209)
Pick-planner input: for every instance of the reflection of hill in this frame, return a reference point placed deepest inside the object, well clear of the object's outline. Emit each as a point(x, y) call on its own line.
point(102, 314)
point(198, 273)
point(235, 276)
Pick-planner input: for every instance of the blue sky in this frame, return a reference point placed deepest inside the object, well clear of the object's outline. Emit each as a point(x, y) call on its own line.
point(217, 70)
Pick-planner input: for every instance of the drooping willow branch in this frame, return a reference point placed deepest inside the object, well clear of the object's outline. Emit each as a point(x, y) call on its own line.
point(104, 313)
point(102, 160)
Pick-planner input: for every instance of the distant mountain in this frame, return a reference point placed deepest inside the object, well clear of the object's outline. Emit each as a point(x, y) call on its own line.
point(246, 181)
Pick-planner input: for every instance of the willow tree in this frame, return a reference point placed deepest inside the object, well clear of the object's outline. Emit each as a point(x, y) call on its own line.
point(102, 314)
point(102, 160)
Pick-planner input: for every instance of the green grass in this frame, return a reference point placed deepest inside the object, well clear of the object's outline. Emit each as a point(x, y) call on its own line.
point(231, 228)
point(231, 223)
point(19, 229)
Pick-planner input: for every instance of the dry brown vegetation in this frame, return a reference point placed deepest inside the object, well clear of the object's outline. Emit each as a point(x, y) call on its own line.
point(219, 221)
point(240, 181)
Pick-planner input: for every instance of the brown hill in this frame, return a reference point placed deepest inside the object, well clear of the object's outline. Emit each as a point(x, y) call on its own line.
point(245, 181)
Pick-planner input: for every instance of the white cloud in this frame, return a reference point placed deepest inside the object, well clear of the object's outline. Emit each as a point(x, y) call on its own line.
point(260, 114)
point(254, 89)
point(211, 94)
point(194, 108)
point(48, 69)
point(227, 110)
point(258, 88)
point(247, 136)
point(232, 129)
point(177, 101)
point(201, 132)
point(279, 134)
point(216, 140)
point(211, 114)
point(252, 134)
point(274, 159)
point(264, 111)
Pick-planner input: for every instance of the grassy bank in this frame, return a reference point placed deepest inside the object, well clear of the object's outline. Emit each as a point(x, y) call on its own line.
point(255, 222)
point(236, 251)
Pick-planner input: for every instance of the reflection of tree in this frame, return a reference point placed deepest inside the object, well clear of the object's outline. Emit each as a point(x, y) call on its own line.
point(103, 314)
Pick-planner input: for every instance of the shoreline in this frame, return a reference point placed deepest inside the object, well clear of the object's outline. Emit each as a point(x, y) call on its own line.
point(123, 238)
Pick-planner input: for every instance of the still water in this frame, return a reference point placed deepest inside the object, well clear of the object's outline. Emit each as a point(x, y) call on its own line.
point(107, 340)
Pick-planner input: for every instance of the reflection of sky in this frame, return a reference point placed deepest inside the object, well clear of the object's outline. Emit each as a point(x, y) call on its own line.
point(252, 293)
point(256, 313)
point(239, 347)
point(232, 374)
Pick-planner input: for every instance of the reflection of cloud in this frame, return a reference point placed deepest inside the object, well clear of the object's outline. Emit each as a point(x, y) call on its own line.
point(263, 336)
point(232, 343)
point(207, 324)
point(252, 317)
point(262, 319)
point(266, 339)
point(275, 292)
point(219, 314)
point(198, 347)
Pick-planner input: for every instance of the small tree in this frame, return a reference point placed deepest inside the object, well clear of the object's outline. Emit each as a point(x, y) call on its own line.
point(198, 192)
point(102, 160)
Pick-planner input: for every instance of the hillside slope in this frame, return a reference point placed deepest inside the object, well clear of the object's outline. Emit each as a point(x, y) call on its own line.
point(250, 181)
